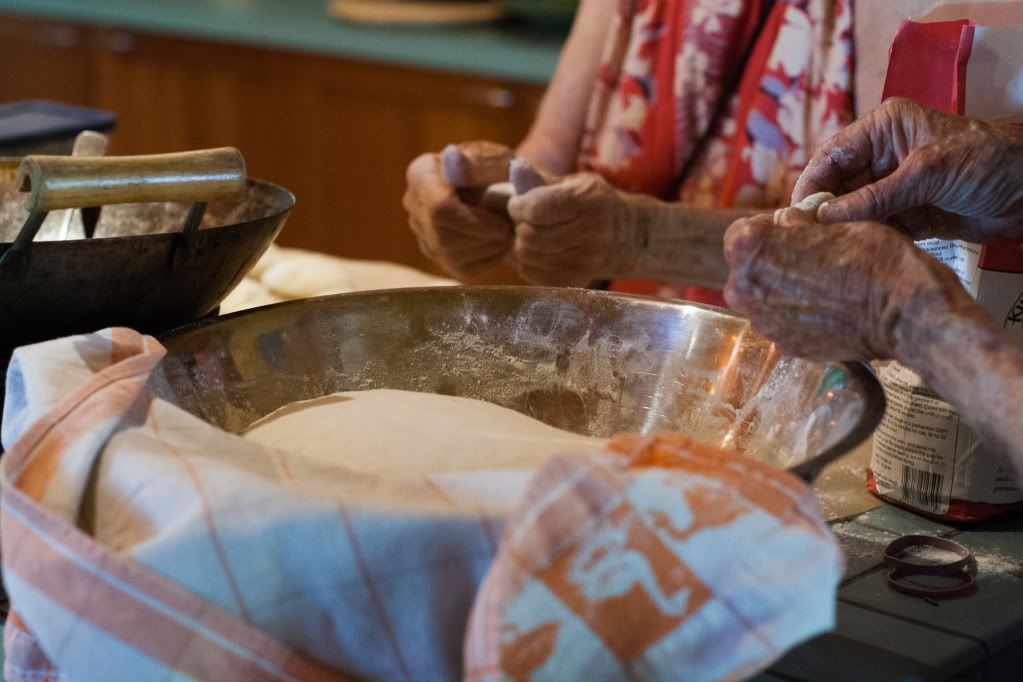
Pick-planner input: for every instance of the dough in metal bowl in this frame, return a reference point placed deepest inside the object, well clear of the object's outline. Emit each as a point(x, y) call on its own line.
point(401, 434)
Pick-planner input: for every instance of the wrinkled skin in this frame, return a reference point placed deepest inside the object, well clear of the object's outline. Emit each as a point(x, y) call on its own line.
point(843, 292)
point(565, 232)
point(929, 174)
point(572, 231)
point(451, 226)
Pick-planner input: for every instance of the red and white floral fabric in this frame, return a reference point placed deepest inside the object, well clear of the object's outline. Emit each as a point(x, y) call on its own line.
point(665, 69)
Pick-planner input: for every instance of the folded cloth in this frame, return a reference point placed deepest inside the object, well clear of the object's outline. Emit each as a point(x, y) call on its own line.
point(285, 274)
point(670, 560)
point(141, 543)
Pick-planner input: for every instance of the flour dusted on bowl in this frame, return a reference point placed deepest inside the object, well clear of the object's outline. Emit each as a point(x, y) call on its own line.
point(404, 433)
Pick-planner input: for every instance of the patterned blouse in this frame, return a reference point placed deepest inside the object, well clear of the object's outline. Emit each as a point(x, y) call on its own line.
point(717, 103)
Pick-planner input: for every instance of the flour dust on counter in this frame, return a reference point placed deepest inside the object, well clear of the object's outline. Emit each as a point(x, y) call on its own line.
point(394, 433)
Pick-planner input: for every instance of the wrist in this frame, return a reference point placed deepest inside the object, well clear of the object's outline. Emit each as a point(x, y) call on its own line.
point(630, 235)
point(934, 323)
point(967, 359)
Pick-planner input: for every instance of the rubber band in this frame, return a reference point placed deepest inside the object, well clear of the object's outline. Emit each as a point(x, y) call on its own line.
point(894, 551)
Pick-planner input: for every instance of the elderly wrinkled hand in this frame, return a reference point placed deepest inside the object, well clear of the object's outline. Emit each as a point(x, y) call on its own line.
point(571, 231)
point(928, 173)
point(447, 213)
point(841, 292)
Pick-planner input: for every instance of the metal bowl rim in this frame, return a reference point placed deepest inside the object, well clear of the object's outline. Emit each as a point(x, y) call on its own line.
point(868, 385)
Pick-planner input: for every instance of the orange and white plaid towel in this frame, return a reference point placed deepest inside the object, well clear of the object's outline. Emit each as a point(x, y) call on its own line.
point(140, 543)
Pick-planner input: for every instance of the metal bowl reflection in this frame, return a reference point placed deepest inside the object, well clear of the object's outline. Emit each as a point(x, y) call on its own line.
point(587, 361)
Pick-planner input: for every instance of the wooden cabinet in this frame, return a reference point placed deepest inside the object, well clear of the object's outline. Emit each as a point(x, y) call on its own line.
point(44, 60)
point(338, 133)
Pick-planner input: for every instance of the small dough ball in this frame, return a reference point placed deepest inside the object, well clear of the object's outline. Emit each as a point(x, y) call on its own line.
point(808, 206)
point(813, 202)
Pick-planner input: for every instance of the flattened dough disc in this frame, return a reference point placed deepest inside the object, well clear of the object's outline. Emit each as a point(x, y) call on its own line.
point(403, 433)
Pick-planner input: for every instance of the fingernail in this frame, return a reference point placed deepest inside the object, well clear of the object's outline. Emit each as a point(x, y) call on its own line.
point(453, 165)
point(832, 213)
point(524, 177)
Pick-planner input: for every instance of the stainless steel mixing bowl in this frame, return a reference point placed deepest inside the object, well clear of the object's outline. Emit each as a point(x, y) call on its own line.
point(587, 361)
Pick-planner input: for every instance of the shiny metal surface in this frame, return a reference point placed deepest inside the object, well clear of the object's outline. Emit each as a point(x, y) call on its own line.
point(587, 361)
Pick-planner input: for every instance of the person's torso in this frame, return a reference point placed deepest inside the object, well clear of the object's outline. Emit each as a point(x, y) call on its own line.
point(718, 103)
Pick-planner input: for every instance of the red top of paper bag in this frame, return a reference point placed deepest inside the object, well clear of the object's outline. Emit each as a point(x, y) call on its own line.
point(927, 64)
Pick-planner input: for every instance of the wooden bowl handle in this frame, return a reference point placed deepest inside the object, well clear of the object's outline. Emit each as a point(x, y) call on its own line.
point(60, 182)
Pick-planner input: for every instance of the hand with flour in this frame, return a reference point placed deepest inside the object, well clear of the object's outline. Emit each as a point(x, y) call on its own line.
point(928, 173)
point(571, 231)
point(864, 291)
point(840, 292)
point(473, 207)
point(449, 210)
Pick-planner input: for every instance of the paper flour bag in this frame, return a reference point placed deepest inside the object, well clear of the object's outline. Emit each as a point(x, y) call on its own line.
point(963, 59)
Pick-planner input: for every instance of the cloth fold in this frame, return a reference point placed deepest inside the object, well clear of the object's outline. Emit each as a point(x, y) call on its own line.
point(141, 543)
point(288, 274)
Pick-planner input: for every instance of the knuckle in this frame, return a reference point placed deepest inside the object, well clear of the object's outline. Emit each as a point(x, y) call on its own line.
point(420, 165)
point(523, 209)
point(874, 199)
point(899, 105)
point(744, 238)
point(588, 182)
point(481, 149)
point(977, 127)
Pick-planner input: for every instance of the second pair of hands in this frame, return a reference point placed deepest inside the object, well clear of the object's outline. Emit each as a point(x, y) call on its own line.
point(859, 289)
point(561, 232)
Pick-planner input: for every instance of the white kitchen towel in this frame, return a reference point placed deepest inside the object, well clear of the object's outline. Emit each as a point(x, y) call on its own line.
point(142, 543)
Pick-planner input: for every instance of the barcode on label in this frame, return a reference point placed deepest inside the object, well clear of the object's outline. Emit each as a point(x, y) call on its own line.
point(922, 488)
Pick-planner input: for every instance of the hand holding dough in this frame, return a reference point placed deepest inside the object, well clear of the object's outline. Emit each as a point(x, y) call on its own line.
point(845, 291)
point(449, 208)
